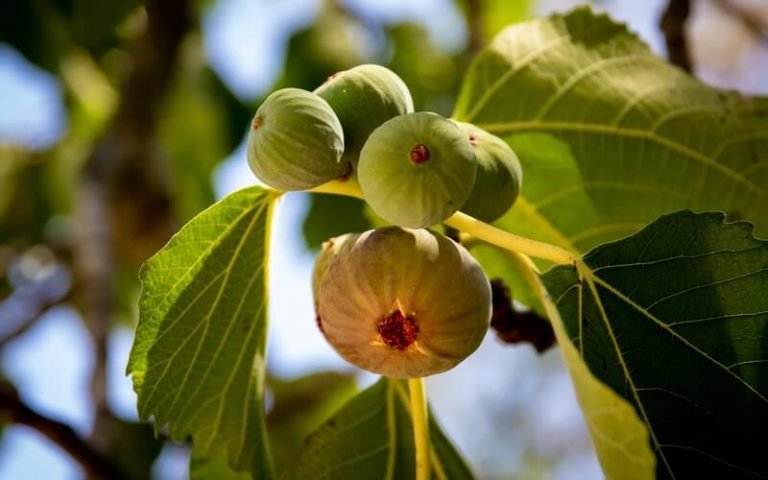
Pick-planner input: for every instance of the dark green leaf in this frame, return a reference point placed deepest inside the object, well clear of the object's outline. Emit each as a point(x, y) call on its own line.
point(371, 437)
point(299, 407)
point(198, 358)
point(333, 215)
point(133, 447)
point(675, 320)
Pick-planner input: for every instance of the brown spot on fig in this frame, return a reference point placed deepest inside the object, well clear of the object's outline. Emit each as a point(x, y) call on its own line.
point(398, 330)
point(419, 154)
point(256, 123)
point(473, 140)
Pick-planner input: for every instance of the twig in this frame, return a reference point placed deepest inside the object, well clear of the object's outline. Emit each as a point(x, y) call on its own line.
point(95, 465)
point(672, 23)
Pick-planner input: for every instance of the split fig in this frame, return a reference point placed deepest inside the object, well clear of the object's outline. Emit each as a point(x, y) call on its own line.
point(295, 141)
point(404, 303)
point(364, 97)
point(499, 175)
point(417, 169)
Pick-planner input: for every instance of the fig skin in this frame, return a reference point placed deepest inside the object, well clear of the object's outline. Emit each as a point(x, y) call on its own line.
point(499, 175)
point(434, 292)
point(416, 170)
point(296, 141)
point(364, 97)
point(328, 251)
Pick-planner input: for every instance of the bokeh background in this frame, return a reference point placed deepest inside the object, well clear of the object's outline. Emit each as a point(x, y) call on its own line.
point(120, 121)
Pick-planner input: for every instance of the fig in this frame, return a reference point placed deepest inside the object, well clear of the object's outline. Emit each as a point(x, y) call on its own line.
point(296, 141)
point(417, 169)
point(499, 175)
point(364, 97)
point(404, 303)
point(323, 259)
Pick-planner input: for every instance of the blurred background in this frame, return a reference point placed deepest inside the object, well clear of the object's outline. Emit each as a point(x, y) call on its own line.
point(121, 120)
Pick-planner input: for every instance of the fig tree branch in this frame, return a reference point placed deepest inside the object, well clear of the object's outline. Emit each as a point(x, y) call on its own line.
point(16, 411)
point(123, 198)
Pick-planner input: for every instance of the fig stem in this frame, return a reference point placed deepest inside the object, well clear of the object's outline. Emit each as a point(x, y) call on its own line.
point(420, 426)
point(510, 241)
point(483, 231)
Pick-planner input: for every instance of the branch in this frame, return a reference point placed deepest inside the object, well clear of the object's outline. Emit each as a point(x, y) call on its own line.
point(95, 465)
point(123, 204)
point(672, 23)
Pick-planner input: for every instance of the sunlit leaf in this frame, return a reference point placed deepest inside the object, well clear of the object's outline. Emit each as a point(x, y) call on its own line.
point(198, 358)
point(611, 136)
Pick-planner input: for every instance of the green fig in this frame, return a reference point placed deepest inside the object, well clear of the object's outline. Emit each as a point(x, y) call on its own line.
point(499, 175)
point(404, 303)
point(296, 141)
point(364, 97)
point(417, 169)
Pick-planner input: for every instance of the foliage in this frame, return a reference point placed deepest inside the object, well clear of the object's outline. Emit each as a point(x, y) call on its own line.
point(602, 125)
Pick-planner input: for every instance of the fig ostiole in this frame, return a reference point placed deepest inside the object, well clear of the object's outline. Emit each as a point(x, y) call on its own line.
point(403, 303)
point(295, 141)
point(364, 97)
point(416, 170)
point(499, 175)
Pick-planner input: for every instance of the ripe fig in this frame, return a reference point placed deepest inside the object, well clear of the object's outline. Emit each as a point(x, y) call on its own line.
point(417, 169)
point(364, 97)
point(499, 175)
point(295, 141)
point(404, 303)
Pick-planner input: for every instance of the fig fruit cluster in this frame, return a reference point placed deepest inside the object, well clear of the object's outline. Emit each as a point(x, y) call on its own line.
point(401, 301)
point(415, 169)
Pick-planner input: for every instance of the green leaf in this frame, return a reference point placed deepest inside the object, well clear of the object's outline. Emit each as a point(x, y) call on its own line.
point(132, 447)
point(619, 436)
point(299, 407)
point(371, 437)
point(495, 15)
point(333, 215)
point(675, 319)
point(198, 357)
point(611, 136)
